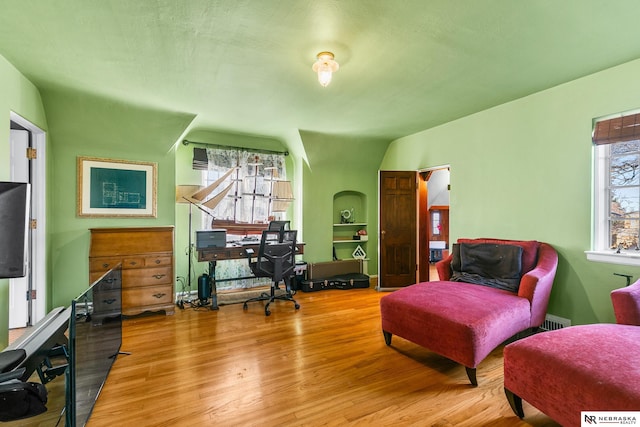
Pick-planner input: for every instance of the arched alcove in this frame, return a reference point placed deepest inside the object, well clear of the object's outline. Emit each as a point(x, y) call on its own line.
point(353, 201)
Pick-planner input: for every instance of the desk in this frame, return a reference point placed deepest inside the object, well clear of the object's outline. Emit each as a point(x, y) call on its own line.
point(233, 251)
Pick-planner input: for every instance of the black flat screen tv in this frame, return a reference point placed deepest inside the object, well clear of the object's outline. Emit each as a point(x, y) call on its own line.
point(14, 231)
point(95, 337)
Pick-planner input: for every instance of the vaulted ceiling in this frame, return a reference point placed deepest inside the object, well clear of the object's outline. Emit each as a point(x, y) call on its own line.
point(245, 65)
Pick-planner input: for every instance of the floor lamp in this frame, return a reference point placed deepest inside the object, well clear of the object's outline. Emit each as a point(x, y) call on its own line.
point(195, 195)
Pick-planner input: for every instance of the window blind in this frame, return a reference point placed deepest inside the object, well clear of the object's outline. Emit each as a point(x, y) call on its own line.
point(200, 159)
point(617, 129)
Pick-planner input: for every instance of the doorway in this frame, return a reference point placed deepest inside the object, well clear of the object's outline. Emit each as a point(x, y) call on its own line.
point(27, 296)
point(407, 226)
point(434, 218)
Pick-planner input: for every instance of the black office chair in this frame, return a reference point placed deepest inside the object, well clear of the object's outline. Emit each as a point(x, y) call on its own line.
point(279, 225)
point(276, 259)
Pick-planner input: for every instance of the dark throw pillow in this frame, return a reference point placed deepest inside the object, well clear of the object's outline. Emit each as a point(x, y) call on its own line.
point(495, 265)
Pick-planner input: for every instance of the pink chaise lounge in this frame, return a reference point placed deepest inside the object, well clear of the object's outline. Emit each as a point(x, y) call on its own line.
point(465, 322)
point(579, 368)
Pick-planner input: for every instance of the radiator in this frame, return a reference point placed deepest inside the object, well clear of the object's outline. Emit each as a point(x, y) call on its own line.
point(552, 322)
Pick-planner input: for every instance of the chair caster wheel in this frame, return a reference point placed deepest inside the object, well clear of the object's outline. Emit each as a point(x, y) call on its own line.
point(244, 306)
point(267, 313)
point(297, 306)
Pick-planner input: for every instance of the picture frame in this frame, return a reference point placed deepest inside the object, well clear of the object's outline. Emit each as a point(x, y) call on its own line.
point(116, 188)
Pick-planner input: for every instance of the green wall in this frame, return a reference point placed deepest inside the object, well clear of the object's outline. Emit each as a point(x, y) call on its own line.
point(83, 124)
point(337, 164)
point(523, 170)
point(17, 94)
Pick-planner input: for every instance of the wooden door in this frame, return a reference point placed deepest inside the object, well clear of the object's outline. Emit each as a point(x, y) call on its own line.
point(398, 223)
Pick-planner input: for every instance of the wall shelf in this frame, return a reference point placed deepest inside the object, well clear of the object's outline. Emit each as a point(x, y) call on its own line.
point(343, 233)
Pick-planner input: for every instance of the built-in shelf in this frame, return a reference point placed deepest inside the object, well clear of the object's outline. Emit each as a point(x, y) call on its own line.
point(350, 206)
point(338, 240)
point(346, 236)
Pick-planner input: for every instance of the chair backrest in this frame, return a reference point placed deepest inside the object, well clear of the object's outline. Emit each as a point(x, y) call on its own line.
point(279, 225)
point(626, 304)
point(277, 254)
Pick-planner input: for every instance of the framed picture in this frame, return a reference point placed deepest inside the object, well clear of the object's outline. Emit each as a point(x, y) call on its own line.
point(116, 188)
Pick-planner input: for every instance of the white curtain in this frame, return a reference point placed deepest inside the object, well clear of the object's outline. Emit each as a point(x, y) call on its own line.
point(249, 198)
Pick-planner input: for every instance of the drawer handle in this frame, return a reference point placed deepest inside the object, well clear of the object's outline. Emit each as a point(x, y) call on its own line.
point(132, 263)
point(109, 301)
point(158, 261)
point(105, 265)
point(159, 276)
point(159, 295)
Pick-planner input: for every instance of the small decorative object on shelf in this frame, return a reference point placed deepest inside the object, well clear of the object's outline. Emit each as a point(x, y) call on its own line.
point(346, 216)
point(359, 253)
point(361, 235)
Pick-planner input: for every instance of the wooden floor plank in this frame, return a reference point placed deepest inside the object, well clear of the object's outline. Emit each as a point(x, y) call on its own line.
point(323, 365)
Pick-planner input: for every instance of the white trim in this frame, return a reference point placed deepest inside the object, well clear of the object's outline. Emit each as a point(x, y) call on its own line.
point(600, 236)
point(38, 188)
point(623, 258)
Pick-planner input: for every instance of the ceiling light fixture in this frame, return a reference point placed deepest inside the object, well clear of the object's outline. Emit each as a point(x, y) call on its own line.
point(325, 66)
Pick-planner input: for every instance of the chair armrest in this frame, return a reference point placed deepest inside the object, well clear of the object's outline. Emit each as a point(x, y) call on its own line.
point(626, 304)
point(536, 284)
point(444, 268)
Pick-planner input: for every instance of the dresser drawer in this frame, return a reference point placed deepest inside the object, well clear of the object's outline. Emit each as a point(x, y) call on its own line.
point(107, 302)
point(111, 282)
point(147, 296)
point(133, 262)
point(103, 264)
point(158, 261)
point(147, 277)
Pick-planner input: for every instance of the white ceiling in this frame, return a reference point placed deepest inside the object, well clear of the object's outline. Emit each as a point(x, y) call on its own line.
point(245, 65)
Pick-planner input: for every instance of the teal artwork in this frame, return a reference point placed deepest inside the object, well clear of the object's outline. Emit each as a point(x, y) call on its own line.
point(118, 188)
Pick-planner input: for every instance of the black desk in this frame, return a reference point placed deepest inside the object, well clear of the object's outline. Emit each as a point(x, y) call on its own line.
point(233, 251)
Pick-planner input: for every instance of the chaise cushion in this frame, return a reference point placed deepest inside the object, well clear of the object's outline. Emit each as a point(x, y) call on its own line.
point(457, 320)
point(580, 368)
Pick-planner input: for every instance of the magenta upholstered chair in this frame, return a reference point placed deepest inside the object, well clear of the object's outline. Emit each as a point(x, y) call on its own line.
point(465, 322)
point(626, 304)
point(579, 368)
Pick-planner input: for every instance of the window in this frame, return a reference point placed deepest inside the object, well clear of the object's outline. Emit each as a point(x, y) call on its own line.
point(435, 223)
point(617, 190)
point(253, 197)
point(252, 186)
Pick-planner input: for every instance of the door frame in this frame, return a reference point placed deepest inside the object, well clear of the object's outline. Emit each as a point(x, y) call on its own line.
point(38, 212)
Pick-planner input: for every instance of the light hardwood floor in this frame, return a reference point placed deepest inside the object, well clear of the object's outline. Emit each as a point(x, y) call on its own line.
point(326, 364)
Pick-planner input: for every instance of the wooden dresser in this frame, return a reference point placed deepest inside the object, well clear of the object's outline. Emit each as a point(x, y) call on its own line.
point(146, 254)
